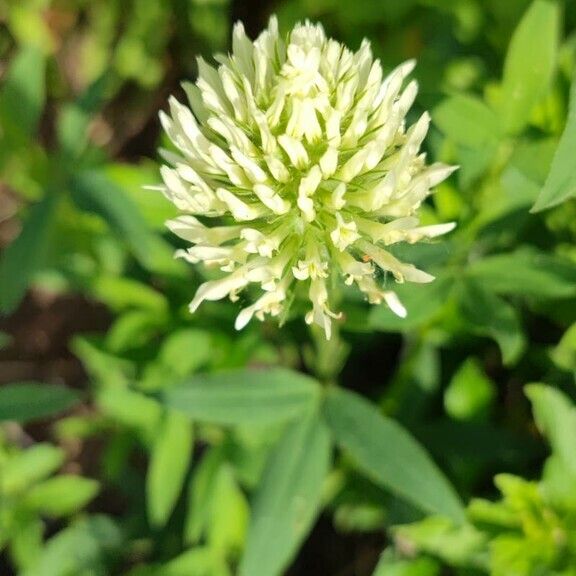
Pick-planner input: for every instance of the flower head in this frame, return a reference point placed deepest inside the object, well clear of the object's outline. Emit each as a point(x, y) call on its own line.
point(294, 163)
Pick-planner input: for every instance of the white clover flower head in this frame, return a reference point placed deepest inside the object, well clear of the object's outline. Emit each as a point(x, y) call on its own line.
point(294, 163)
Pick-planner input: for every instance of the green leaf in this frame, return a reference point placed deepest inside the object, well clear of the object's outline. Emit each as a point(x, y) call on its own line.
point(388, 454)
point(169, 462)
point(470, 392)
point(515, 195)
point(244, 396)
point(558, 483)
point(186, 350)
point(561, 182)
point(133, 178)
point(22, 259)
point(24, 469)
point(533, 158)
point(26, 539)
point(133, 330)
point(390, 566)
point(530, 63)
point(24, 93)
point(287, 501)
point(126, 293)
point(129, 408)
point(201, 561)
point(555, 416)
point(228, 513)
point(564, 354)
point(81, 549)
point(526, 272)
point(467, 121)
point(458, 545)
point(487, 314)
point(201, 494)
point(95, 192)
point(27, 401)
point(72, 127)
point(62, 495)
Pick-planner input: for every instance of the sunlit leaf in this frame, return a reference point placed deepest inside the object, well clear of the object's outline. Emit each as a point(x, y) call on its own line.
point(27, 539)
point(83, 548)
point(470, 392)
point(201, 494)
point(530, 63)
point(170, 458)
point(199, 561)
point(61, 495)
point(564, 354)
point(390, 566)
point(243, 396)
point(287, 500)
point(467, 121)
point(388, 454)
point(27, 467)
point(457, 544)
point(561, 182)
point(186, 350)
point(555, 416)
point(228, 513)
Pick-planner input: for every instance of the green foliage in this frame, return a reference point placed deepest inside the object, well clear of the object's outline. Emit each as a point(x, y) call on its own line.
point(23, 93)
point(24, 256)
point(192, 449)
point(530, 530)
point(83, 548)
point(561, 182)
point(244, 397)
point(30, 492)
point(386, 452)
point(169, 461)
point(530, 63)
point(26, 401)
point(288, 499)
point(468, 121)
point(470, 393)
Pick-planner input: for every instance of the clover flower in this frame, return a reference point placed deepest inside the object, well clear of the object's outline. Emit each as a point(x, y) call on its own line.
point(295, 165)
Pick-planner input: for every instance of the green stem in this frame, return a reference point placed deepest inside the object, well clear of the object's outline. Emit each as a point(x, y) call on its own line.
point(328, 356)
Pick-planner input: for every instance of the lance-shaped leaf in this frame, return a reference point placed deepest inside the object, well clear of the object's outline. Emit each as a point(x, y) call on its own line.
point(24, 93)
point(555, 416)
point(288, 498)
point(530, 63)
point(25, 401)
point(171, 455)
point(244, 396)
point(389, 455)
point(22, 259)
point(94, 191)
point(561, 182)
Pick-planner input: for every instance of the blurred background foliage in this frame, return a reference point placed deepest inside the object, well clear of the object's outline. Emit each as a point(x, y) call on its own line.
point(125, 445)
